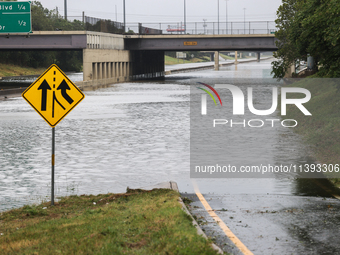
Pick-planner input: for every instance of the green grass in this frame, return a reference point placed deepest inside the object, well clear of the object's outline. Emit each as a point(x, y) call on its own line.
point(322, 129)
point(226, 57)
point(13, 70)
point(137, 222)
point(173, 61)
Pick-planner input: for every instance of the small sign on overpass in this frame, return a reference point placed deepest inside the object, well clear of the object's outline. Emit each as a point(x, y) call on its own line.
point(15, 17)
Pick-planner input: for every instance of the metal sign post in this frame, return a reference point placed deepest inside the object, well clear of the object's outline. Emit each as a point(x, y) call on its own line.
point(53, 95)
point(52, 161)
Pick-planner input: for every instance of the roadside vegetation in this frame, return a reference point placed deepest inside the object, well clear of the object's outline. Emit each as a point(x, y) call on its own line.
point(310, 28)
point(322, 129)
point(191, 57)
point(136, 222)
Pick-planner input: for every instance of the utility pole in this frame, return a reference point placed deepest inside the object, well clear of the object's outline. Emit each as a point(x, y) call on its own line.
point(65, 9)
point(124, 15)
point(244, 20)
point(185, 22)
point(204, 25)
point(218, 16)
point(226, 16)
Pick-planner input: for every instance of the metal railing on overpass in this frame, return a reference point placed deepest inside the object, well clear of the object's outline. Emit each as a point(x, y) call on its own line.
point(209, 28)
point(195, 28)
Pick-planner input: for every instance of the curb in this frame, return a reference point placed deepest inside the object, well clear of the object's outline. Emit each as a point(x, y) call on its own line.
point(173, 186)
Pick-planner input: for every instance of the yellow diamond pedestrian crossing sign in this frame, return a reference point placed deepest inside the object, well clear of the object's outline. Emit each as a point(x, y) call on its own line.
point(53, 95)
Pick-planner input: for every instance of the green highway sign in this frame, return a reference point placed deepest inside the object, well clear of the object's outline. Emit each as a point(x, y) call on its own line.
point(15, 17)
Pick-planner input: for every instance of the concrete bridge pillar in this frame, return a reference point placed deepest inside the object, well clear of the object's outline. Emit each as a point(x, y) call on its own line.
point(90, 71)
point(105, 65)
point(236, 58)
point(217, 61)
point(117, 70)
point(100, 72)
point(104, 70)
point(258, 56)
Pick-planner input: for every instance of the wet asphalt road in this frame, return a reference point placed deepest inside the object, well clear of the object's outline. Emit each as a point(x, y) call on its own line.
point(306, 222)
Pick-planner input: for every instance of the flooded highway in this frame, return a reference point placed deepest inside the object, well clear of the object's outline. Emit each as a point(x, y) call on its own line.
point(138, 134)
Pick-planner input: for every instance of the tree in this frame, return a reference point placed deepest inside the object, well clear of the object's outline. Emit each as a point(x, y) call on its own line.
point(287, 52)
point(40, 17)
point(308, 27)
point(320, 33)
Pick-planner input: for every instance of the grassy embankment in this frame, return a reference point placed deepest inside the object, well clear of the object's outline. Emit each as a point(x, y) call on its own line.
point(174, 61)
point(136, 222)
point(226, 57)
point(322, 129)
point(13, 70)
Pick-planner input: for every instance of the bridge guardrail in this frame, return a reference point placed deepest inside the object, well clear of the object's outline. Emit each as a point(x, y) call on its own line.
point(195, 28)
point(209, 28)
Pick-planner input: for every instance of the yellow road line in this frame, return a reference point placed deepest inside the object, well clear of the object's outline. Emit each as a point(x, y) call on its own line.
point(222, 225)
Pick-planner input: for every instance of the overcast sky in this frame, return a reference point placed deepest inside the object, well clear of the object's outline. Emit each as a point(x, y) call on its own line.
point(164, 11)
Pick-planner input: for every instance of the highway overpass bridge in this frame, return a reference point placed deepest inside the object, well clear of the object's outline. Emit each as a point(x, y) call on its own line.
point(109, 58)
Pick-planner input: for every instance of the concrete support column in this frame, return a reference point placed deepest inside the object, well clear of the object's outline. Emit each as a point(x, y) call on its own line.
point(88, 67)
point(236, 57)
point(108, 70)
point(258, 56)
point(127, 70)
point(104, 71)
point(123, 69)
point(98, 64)
point(217, 61)
point(93, 72)
point(99, 69)
point(115, 69)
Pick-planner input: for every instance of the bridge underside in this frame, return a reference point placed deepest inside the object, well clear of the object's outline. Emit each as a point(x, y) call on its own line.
point(201, 43)
point(50, 40)
point(110, 58)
